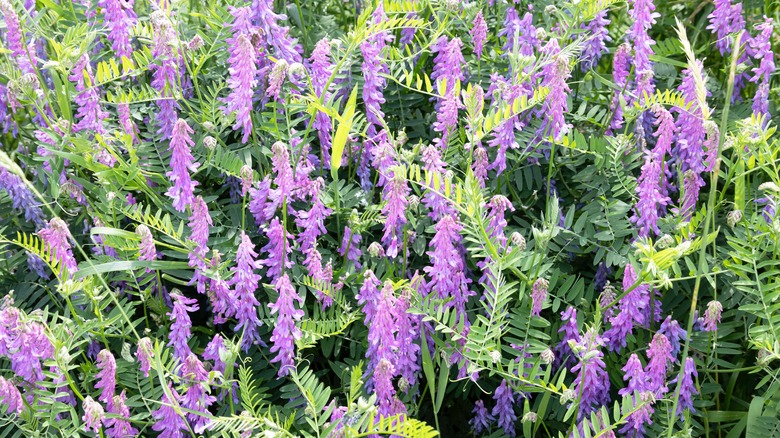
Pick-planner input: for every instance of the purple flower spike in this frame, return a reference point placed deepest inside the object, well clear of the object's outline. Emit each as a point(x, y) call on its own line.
point(598, 36)
point(147, 250)
point(592, 381)
point(395, 194)
point(278, 249)
point(621, 67)
point(674, 333)
point(563, 353)
point(651, 197)
point(90, 114)
point(169, 423)
point(180, 328)
point(350, 247)
point(633, 307)
point(22, 198)
point(478, 36)
point(643, 16)
point(10, 396)
point(687, 387)
point(145, 354)
point(164, 74)
point(181, 164)
point(660, 355)
point(635, 375)
point(14, 38)
point(762, 49)
point(285, 331)
point(119, 23)
point(93, 415)
point(245, 282)
point(726, 19)
point(57, 239)
point(243, 71)
point(106, 378)
point(447, 270)
point(712, 316)
point(481, 420)
point(539, 295)
point(196, 397)
point(119, 427)
point(504, 410)
point(321, 69)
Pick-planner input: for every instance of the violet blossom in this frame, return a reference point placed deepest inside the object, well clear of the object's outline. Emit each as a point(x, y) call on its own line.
point(197, 395)
point(478, 34)
point(539, 295)
point(660, 355)
point(199, 223)
point(22, 198)
point(169, 423)
point(643, 17)
point(181, 164)
point(245, 281)
point(11, 397)
point(119, 427)
point(563, 353)
point(725, 19)
point(321, 69)
point(687, 387)
point(165, 72)
point(243, 70)
point(147, 250)
point(14, 37)
point(674, 333)
point(712, 316)
point(127, 124)
point(285, 331)
point(632, 311)
point(282, 194)
point(144, 353)
point(106, 377)
point(56, 236)
point(276, 35)
point(762, 49)
point(447, 271)
point(119, 23)
point(93, 415)
point(621, 67)
point(350, 247)
point(481, 420)
point(395, 195)
point(278, 249)
point(592, 382)
point(408, 326)
point(651, 196)
point(89, 113)
point(504, 410)
point(181, 324)
point(597, 37)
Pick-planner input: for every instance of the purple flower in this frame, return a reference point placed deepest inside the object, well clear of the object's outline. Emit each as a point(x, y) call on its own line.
point(199, 223)
point(22, 198)
point(276, 36)
point(448, 63)
point(181, 325)
point(478, 37)
point(690, 140)
point(147, 250)
point(504, 134)
point(258, 201)
point(93, 415)
point(89, 114)
point(57, 239)
point(539, 295)
point(181, 164)
point(660, 354)
point(438, 204)
point(384, 389)
point(690, 194)
point(382, 343)
point(687, 387)
point(245, 282)
point(313, 221)
point(284, 180)
point(222, 299)
point(592, 381)
point(621, 67)
point(164, 73)
point(276, 79)
point(674, 333)
point(712, 316)
point(563, 353)
point(555, 105)
point(643, 17)
point(504, 410)
point(448, 268)
point(395, 194)
point(373, 68)
point(480, 165)
point(762, 49)
point(635, 375)
point(481, 420)
point(243, 71)
point(144, 354)
point(497, 208)
point(636, 421)
point(632, 311)
point(408, 333)
point(598, 35)
point(119, 427)
point(725, 19)
point(285, 332)
point(350, 247)
point(14, 37)
point(119, 22)
point(520, 34)
point(368, 296)
point(651, 196)
point(321, 69)
point(10, 396)
point(665, 132)
point(447, 117)
point(197, 395)
point(169, 423)
point(106, 377)
point(278, 248)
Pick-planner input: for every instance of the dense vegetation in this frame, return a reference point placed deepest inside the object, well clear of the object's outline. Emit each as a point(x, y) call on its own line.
point(403, 217)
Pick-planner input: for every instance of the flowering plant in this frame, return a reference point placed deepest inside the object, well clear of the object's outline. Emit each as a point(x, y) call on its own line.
point(392, 217)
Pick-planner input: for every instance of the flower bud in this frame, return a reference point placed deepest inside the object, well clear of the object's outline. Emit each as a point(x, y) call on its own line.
point(376, 250)
point(495, 356)
point(529, 417)
point(210, 142)
point(413, 201)
point(518, 240)
point(547, 356)
point(665, 241)
point(733, 218)
point(195, 43)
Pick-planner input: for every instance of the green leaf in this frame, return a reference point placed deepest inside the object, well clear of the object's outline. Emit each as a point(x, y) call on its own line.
point(127, 265)
point(346, 120)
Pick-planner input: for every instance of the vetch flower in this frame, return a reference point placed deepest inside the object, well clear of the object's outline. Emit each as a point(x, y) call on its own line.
point(243, 71)
point(762, 49)
point(592, 381)
point(478, 34)
point(643, 18)
point(539, 295)
point(181, 325)
point(199, 223)
point(245, 282)
point(321, 69)
point(22, 199)
point(56, 236)
point(674, 333)
point(712, 316)
point(119, 23)
point(89, 113)
point(504, 410)
point(127, 124)
point(168, 422)
point(395, 195)
point(350, 247)
point(10, 396)
point(621, 67)
point(144, 354)
point(687, 387)
point(181, 164)
point(106, 377)
point(634, 374)
point(93, 415)
point(447, 271)
point(197, 395)
point(282, 194)
point(276, 35)
point(147, 250)
point(278, 249)
point(651, 196)
point(660, 354)
point(481, 420)
point(276, 79)
point(632, 311)
point(119, 427)
point(285, 331)
point(725, 19)
point(597, 37)
point(164, 73)
point(408, 326)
